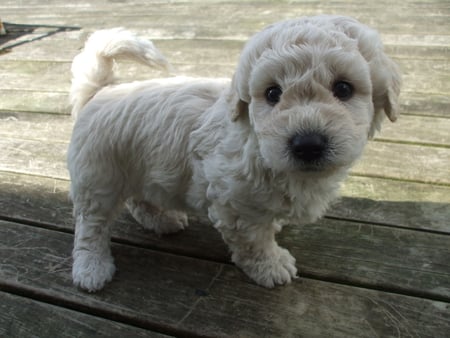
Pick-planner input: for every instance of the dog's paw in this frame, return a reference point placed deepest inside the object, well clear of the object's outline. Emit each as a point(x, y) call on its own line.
point(160, 221)
point(91, 271)
point(164, 222)
point(270, 270)
point(171, 221)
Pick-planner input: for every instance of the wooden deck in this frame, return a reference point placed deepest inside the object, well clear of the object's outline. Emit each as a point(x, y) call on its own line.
point(378, 265)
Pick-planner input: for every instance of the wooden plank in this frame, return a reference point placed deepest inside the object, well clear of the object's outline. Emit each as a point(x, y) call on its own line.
point(421, 130)
point(24, 317)
point(423, 76)
point(216, 299)
point(26, 42)
point(363, 254)
point(373, 200)
point(209, 298)
point(405, 162)
point(58, 128)
point(56, 75)
point(57, 102)
point(349, 252)
point(426, 105)
point(417, 74)
point(193, 18)
point(187, 50)
point(408, 4)
point(37, 199)
point(49, 128)
point(30, 75)
point(415, 52)
point(399, 203)
point(34, 157)
point(34, 101)
point(386, 198)
point(410, 39)
point(381, 159)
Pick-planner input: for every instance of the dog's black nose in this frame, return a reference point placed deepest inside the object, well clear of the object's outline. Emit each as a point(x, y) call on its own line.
point(308, 147)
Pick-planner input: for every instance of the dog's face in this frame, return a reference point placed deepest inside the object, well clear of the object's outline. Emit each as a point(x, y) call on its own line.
point(314, 92)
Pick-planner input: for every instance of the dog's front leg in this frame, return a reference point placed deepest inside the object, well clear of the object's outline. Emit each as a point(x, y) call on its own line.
point(256, 252)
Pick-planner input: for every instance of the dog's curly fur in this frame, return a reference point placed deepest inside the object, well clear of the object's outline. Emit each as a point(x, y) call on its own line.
point(269, 147)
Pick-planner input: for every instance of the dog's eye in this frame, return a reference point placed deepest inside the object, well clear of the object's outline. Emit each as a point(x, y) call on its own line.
point(273, 94)
point(343, 90)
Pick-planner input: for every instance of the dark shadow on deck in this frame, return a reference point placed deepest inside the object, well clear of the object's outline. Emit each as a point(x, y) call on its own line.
point(28, 34)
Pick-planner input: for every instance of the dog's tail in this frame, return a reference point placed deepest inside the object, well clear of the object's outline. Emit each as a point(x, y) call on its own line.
point(92, 69)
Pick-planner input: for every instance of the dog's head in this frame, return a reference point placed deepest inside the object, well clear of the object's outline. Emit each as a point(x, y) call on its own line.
point(314, 90)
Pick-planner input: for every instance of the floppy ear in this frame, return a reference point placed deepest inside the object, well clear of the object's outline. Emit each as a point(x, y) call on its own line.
point(386, 82)
point(238, 107)
point(384, 73)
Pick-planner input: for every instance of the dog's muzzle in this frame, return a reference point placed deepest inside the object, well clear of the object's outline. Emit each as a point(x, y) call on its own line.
point(310, 150)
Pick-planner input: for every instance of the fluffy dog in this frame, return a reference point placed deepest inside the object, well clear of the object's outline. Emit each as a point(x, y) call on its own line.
point(268, 148)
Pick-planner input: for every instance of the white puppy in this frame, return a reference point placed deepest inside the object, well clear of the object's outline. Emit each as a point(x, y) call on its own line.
point(269, 147)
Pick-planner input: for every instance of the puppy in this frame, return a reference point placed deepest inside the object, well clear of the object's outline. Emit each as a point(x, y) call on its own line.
point(267, 148)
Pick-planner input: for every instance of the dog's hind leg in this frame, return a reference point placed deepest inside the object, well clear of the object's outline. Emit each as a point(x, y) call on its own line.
point(93, 264)
point(156, 219)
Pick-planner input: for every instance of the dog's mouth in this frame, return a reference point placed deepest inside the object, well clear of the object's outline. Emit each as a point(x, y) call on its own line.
point(322, 168)
point(312, 167)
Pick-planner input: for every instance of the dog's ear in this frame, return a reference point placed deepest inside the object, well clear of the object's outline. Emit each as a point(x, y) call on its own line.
point(238, 107)
point(386, 82)
point(384, 73)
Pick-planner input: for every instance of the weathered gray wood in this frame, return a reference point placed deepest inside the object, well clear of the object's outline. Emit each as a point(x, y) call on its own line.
point(193, 19)
point(57, 102)
point(23, 317)
point(389, 232)
point(34, 101)
point(49, 128)
point(192, 56)
point(430, 105)
point(425, 164)
point(56, 128)
point(417, 75)
point(381, 159)
point(425, 76)
point(190, 50)
point(421, 76)
point(33, 157)
point(346, 251)
point(208, 298)
point(405, 162)
point(422, 130)
point(383, 257)
point(404, 204)
point(37, 199)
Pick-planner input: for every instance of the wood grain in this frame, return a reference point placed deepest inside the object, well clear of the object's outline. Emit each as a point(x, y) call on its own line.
point(350, 252)
point(376, 265)
point(200, 291)
point(58, 128)
point(24, 317)
point(381, 159)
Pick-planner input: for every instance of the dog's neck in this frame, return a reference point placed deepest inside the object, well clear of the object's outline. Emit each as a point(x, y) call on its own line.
point(238, 177)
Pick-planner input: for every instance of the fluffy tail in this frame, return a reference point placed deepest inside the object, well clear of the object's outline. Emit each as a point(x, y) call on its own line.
point(92, 69)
